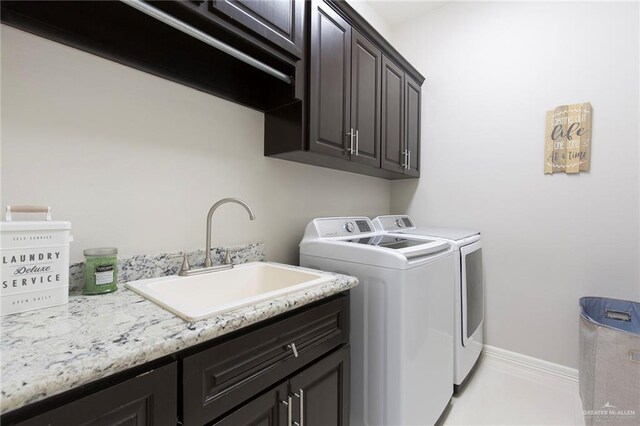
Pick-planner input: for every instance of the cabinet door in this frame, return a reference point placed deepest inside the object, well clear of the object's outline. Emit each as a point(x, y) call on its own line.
point(149, 399)
point(218, 379)
point(330, 78)
point(269, 409)
point(322, 391)
point(392, 116)
point(412, 126)
point(278, 21)
point(366, 66)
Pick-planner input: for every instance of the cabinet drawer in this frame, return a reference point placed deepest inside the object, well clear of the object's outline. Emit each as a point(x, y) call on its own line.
point(148, 399)
point(220, 378)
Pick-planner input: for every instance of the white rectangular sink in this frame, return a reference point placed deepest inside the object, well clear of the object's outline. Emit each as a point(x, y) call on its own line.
point(202, 296)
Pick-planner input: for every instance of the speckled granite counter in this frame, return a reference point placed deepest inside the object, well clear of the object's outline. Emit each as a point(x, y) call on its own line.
point(52, 350)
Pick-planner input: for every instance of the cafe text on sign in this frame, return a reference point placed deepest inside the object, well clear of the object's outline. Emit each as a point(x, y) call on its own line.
point(567, 145)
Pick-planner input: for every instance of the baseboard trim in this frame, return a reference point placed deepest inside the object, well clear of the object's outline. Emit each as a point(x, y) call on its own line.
point(531, 363)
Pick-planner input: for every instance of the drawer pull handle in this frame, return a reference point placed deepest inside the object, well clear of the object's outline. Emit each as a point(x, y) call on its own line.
point(292, 346)
point(289, 409)
point(301, 396)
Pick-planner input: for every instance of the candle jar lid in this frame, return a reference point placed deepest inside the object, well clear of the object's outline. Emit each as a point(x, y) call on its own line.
point(102, 251)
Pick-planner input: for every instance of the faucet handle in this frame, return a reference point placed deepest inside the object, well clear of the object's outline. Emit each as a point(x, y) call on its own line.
point(185, 262)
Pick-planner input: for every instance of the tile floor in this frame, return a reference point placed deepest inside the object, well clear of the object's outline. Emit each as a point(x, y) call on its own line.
point(501, 393)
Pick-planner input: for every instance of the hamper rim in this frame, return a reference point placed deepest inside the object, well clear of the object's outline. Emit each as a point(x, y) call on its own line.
point(591, 320)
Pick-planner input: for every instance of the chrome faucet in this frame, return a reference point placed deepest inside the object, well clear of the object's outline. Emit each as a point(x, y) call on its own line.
point(185, 269)
point(207, 251)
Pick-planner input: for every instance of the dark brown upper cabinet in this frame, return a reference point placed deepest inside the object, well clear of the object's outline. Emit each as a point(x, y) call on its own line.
point(335, 93)
point(412, 126)
point(361, 113)
point(344, 102)
point(269, 31)
point(393, 106)
point(400, 121)
point(278, 21)
point(330, 81)
point(366, 67)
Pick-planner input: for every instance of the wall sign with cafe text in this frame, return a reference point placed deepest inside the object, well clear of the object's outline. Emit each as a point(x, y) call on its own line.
point(567, 145)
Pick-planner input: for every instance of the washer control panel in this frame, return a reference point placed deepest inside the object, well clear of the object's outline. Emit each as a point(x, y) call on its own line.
point(343, 226)
point(393, 223)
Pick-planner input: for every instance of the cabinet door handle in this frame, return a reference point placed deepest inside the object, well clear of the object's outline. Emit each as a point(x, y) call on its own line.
point(292, 346)
point(408, 159)
point(301, 407)
point(403, 164)
point(301, 396)
point(288, 404)
point(357, 142)
point(351, 135)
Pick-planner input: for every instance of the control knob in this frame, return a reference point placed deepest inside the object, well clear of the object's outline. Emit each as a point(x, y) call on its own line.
point(349, 227)
point(400, 223)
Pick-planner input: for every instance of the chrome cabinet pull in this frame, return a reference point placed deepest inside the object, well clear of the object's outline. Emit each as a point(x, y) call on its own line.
point(357, 142)
point(403, 164)
point(351, 135)
point(292, 346)
point(301, 407)
point(301, 396)
point(408, 159)
point(288, 404)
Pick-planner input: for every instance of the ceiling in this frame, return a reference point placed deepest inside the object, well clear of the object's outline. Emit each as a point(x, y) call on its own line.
point(396, 12)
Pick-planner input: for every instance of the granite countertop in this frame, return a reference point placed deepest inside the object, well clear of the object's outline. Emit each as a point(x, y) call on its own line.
point(53, 350)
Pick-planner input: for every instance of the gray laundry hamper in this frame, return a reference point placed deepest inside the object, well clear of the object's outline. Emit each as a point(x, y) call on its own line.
point(610, 361)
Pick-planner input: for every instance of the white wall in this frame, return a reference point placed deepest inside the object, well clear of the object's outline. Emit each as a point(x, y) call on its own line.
point(492, 71)
point(135, 161)
point(364, 8)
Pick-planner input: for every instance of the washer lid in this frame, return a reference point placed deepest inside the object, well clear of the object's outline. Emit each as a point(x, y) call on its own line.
point(390, 242)
point(448, 233)
point(410, 248)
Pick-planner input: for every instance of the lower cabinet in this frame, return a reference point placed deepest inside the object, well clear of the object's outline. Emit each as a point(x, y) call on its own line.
point(148, 399)
point(318, 395)
point(269, 409)
point(289, 370)
point(233, 371)
point(322, 391)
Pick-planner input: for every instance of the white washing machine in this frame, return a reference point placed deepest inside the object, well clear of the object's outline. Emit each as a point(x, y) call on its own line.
point(401, 325)
point(469, 289)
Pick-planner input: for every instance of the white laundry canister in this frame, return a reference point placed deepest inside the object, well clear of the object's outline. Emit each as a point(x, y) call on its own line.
point(35, 261)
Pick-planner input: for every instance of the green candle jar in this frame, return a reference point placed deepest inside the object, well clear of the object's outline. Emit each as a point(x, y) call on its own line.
point(100, 270)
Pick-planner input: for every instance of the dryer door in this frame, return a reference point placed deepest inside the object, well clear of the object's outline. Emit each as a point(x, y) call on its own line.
point(472, 294)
